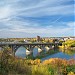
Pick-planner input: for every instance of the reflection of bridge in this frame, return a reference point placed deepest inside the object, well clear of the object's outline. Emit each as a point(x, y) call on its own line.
point(29, 46)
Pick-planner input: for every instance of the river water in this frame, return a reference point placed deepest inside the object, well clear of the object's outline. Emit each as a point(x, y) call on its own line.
point(22, 52)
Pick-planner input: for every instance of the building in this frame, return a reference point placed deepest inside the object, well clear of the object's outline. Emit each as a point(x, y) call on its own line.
point(38, 38)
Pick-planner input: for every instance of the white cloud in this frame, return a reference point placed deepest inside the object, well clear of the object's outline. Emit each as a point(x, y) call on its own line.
point(10, 9)
point(71, 24)
point(31, 27)
point(5, 12)
point(36, 8)
point(46, 10)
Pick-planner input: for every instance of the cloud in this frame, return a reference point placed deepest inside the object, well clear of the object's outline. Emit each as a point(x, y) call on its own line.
point(71, 24)
point(32, 27)
point(48, 11)
point(30, 8)
point(14, 14)
point(5, 12)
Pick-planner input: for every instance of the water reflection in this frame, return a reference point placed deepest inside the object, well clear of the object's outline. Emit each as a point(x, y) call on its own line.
point(64, 54)
point(21, 52)
point(67, 54)
point(68, 51)
point(35, 52)
point(57, 55)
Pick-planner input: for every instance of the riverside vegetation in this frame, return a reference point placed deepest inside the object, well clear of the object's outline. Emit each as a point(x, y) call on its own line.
point(69, 44)
point(10, 65)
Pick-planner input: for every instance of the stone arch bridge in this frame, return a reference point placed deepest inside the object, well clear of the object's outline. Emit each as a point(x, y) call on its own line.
point(28, 46)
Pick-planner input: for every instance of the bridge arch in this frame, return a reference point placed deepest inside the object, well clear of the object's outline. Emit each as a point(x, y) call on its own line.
point(36, 50)
point(21, 51)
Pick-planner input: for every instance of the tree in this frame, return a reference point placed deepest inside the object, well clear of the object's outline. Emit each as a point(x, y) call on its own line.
point(4, 60)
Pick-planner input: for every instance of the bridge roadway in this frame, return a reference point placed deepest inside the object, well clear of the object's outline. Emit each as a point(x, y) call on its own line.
point(20, 43)
point(28, 46)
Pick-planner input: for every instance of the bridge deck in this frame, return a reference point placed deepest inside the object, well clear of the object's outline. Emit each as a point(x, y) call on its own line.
point(11, 43)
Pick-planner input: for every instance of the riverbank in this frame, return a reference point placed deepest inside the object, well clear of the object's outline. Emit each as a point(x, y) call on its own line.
point(66, 47)
point(54, 66)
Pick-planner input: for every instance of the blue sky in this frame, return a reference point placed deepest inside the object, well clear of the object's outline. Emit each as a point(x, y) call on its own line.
point(29, 18)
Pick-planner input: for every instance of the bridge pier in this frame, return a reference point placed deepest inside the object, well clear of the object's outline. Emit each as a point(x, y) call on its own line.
point(31, 52)
point(12, 52)
point(50, 47)
point(55, 46)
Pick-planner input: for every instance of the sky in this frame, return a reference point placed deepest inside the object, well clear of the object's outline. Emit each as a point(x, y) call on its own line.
point(29, 18)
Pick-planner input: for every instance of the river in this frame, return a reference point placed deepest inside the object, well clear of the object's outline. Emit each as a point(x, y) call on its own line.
point(22, 52)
